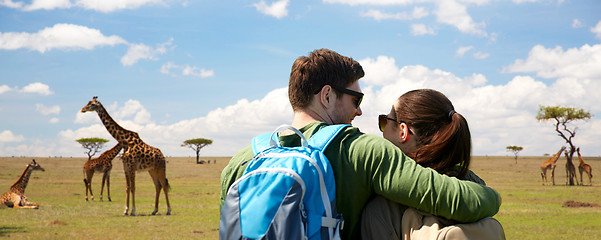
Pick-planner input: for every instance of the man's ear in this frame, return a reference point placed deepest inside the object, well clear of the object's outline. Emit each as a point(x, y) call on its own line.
point(326, 96)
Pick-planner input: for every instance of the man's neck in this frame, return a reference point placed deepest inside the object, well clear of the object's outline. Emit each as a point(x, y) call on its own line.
point(304, 117)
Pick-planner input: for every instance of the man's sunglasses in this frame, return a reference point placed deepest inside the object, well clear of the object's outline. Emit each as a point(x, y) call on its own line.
point(359, 95)
point(383, 120)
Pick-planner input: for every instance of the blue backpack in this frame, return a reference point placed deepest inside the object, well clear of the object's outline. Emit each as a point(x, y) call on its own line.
point(285, 192)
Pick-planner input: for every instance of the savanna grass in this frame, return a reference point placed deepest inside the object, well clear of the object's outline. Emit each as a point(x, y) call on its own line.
point(529, 211)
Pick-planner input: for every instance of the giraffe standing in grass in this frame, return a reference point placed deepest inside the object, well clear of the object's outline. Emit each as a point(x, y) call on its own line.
point(15, 197)
point(137, 156)
point(103, 164)
point(550, 164)
point(583, 167)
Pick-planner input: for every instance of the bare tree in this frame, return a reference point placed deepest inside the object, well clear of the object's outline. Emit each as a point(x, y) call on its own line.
point(197, 144)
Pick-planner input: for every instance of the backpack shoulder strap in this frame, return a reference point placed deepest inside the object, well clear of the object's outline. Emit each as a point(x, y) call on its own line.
point(260, 143)
point(272, 140)
point(322, 138)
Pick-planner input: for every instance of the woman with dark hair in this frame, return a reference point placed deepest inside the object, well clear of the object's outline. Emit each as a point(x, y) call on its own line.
point(428, 130)
point(423, 123)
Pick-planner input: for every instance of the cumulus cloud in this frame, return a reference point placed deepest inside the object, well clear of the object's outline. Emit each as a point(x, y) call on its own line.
point(597, 30)
point(450, 12)
point(8, 136)
point(421, 29)
point(47, 5)
point(60, 36)
point(455, 14)
point(47, 110)
point(38, 88)
point(277, 9)
point(136, 52)
point(5, 88)
point(581, 63)
point(185, 70)
point(417, 13)
point(230, 128)
point(462, 50)
point(481, 55)
point(101, 6)
point(576, 23)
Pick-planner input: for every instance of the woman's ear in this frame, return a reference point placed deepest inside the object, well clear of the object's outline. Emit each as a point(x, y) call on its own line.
point(404, 133)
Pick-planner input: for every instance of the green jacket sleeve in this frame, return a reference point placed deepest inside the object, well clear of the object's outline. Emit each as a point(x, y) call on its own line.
point(399, 178)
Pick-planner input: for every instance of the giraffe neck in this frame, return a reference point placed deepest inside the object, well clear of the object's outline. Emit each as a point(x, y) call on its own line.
point(111, 153)
point(120, 134)
point(580, 158)
point(557, 155)
point(21, 184)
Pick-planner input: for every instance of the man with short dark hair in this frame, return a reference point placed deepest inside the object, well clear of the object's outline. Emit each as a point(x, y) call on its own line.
point(324, 90)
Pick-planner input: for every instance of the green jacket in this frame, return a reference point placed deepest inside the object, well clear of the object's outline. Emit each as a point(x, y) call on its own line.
point(367, 165)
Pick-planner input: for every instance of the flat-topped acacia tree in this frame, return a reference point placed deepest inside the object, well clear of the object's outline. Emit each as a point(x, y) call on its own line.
point(196, 144)
point(93, 145)
point(563, 117)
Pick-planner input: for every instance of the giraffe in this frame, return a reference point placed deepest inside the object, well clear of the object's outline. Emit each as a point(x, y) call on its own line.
point(15, 197)
point(550, 164)
point(104, 164)
point(570, 169)
point(583, 167)
point(137, 156)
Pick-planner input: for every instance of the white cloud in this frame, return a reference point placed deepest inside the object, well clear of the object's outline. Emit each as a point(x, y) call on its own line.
point(417, 13)
point(60, 36)
point(8, 136)
point(581, 63)
point(450, 12)
point(462, 50)
point(277, 9)
point(54, 120)
point(576, 23)
point(115, 5)
point(38, 88)
point(481, 55)
point(141, 51)
point(455, 14)
point(47, 5)
point(597, 30)
point(5, 88)
point(11, 4)
point(231, 128)
point(44, 110)
point(101, 6)
point(186, 70)
point(421, 29)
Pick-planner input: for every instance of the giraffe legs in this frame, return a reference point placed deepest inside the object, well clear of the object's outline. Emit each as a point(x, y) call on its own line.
point(106, 177)
point(553, 175)
point(160, 182)
point(88, 183)
point(130, 177)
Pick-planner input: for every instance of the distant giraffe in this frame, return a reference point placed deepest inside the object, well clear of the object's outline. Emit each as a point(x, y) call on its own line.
point(103, 164)
point(550, 164)
point(583, 167)
point(570, 169)
point(137, 156)
point(15, 197)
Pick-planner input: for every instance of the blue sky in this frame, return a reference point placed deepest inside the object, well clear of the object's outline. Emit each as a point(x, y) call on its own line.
point(176, 70)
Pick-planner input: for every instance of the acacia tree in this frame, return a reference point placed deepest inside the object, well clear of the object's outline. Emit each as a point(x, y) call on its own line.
point(515, 150)
point(197, 144)
point(93, 145)
point(563, 117)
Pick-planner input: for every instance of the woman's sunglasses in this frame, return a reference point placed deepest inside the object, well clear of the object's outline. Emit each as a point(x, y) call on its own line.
point(383, 120)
